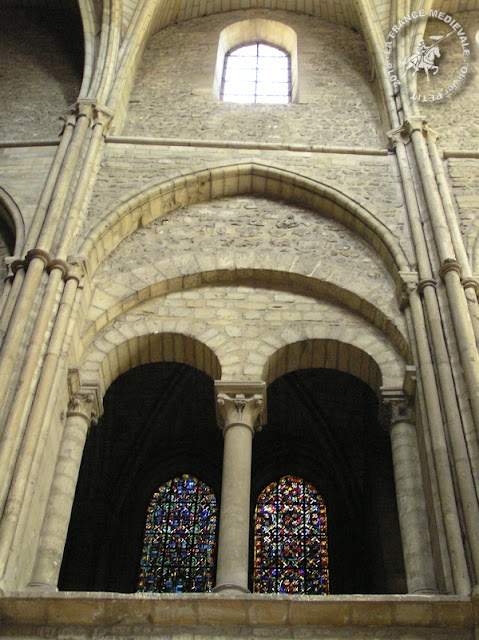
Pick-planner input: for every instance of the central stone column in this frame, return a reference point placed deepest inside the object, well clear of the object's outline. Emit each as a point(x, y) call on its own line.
point(241, 409)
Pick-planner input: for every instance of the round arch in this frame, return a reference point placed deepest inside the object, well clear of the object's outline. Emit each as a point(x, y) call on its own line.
point(155, 347)
point(240, 179)
point(244, 32)
point(277, 280)
point(139, 339)
point(324, 354)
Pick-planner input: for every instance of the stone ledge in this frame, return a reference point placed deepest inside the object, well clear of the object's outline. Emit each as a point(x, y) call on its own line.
point(98, 609)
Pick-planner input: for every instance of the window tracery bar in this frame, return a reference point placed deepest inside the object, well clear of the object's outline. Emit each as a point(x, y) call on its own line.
point(179, 542)
point(291, 540)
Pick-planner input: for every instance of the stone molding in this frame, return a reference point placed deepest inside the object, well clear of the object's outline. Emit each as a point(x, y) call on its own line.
point(426, 282)
point(472, 283)
point(353, 616)
point(451, 264)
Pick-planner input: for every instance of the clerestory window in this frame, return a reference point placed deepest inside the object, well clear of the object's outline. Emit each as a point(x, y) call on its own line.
point(257, 73)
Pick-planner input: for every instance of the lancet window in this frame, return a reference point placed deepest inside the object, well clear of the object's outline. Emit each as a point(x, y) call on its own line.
point(291, 539)
point(179, 543)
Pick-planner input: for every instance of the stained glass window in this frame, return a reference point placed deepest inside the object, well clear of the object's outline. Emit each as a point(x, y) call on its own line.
point(179, 543)
point(291, 539)
point(257, 73)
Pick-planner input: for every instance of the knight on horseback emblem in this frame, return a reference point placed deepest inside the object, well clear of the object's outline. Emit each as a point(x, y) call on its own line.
point(424, 57)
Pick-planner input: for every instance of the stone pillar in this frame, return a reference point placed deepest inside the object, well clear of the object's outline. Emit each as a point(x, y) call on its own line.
point(241, 411)
point(81, 410)
point(411, 501)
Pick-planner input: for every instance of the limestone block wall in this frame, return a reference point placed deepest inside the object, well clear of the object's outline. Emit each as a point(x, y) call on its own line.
point(464, 176)
point(243, 327)
point(370, 180)
point(173, 93)
point(23, 172)
point(244, 232)
point(283, 250)
point(39, 75)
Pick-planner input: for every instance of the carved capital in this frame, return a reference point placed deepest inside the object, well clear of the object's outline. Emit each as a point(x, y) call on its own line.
point(81, 404)
point(415, 123)
point(432, 135)
point(405, 287)
point(97, 113)
point(240, 404)
point(85, 398)
point(398, 407)
point(103, 115)
point(395, 136)
point(76, 270)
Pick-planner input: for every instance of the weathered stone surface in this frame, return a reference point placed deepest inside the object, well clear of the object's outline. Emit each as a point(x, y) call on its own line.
point(39, 78)
point(329, 56)
point(246, 232)
point(195, 616)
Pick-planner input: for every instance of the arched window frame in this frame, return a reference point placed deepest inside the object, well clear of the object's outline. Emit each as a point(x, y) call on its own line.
point(257, 30)
point(258, 85)
point(165, 534)
point(312, 532)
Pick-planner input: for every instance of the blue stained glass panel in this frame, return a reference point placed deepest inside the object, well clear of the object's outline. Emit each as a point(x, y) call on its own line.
point(180, 535)
point(291, 539)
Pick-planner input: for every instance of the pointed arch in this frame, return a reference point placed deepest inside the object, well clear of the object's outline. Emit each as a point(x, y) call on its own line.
point(241, 179)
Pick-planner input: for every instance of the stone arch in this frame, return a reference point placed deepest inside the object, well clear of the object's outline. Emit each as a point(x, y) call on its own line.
point(248, 349)
point(269, 279)
point(257, 30)
point(241, 179)
point(154, 347)
point(11, 223)
point(325, 354)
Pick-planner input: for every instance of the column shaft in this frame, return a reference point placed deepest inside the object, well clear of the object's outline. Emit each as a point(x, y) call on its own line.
point(233, 541)
point(239, 406)
point(411, 504)
point(62, 492)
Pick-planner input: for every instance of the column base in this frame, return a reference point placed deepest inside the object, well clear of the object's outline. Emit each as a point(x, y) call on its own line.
point(233, 589)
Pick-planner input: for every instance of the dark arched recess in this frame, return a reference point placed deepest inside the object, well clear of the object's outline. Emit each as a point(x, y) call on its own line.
point(323, 427)
point(159, 422)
